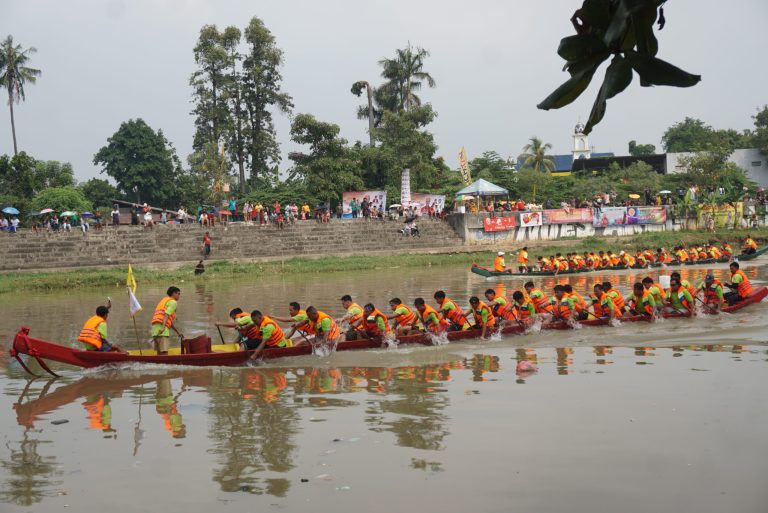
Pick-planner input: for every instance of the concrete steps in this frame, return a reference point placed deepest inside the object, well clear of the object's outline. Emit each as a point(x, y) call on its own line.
point(27, 250)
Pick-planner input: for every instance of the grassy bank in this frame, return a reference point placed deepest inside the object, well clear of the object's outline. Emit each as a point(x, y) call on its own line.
point(115, 277)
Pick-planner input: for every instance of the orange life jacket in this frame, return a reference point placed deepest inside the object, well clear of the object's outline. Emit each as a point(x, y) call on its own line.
point(333, 332)
point(90, 334)
point(277, 338)
point(744, 288)
point(561, 308)
point(356, 317)
point(503, 311)
point(251, 332)
point(477, 312)
point(405, 319)
point(617, 298)
point(498, 264)
point(157, 318)
point(710, 292)
point(642, 302)
point(369, 323)
point(540, 304)
point(603, 310)
point(441, 325)
point(456, 316)
point(307, 329)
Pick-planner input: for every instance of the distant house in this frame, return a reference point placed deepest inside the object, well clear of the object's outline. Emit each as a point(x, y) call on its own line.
point(754, 163)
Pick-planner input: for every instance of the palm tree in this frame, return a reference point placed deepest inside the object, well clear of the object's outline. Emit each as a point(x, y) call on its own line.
point(357, 90)
point(14, 74)
point(405, 74)
point(535, 156)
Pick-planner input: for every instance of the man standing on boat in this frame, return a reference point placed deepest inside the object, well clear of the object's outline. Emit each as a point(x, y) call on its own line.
point(94, 332)
point(162, 320)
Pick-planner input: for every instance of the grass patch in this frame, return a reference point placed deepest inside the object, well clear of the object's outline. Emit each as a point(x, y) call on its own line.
point(84, 278)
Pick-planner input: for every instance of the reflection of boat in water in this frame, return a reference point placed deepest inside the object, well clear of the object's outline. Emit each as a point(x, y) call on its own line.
point(230, 354)
point(90, 388)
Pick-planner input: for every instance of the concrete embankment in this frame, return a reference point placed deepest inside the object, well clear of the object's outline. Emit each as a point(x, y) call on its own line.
point(183, 243)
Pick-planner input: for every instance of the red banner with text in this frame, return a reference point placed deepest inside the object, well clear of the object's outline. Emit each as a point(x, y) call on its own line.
point(498, 224)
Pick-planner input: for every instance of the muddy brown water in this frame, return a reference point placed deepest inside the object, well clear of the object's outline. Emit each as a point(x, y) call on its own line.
point(664, 417)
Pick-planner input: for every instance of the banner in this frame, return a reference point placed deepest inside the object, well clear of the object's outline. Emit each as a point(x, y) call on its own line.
point(530, 218)
point(646, 215)
point(609, 216)
point(427, 202)
point(405, 187)
point(466, 175)
point(726, 216)
point(377, 199)
point(498, 224)
point(571, 216)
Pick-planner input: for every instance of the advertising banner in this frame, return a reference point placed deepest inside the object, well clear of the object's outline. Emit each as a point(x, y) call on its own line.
point(405, 187)
point(427, 202)
point(498, 224)
point(531, 218)
point(377, 199)
point(609, 216)
point(570, 216)
point(646, 215)
point(466, 174)
point(725, 215)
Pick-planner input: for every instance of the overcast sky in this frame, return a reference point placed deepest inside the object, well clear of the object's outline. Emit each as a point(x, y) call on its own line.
point(106, 61)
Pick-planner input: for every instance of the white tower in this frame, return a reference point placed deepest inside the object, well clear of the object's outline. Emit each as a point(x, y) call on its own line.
point(581, 149)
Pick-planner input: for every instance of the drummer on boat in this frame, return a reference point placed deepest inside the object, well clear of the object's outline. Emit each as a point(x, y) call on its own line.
point(94, 332)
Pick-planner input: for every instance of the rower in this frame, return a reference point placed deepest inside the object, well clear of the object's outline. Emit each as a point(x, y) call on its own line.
point(354, 315)
point(522, 260)
point(563, 308)
point(483, 315)
point(299, 323)
point(580, 306)
point(499, 305)
point(523, 308)
point(727, 250)
point(373, 323)
point(685, 283)
point(655, 290)
point(249, 335)
point(326, 330)
point(740, 282)
point(641, 302)
point(429, 317)
point(162, 320)
point(539, 298)
point(94, 332)
point(603, 305)
point(749, 246)
point(451, 312)
point(498, 264)
point(679, 299)
point(713, 292)
point(405, 320)
point(272, 335)
point(615, 295)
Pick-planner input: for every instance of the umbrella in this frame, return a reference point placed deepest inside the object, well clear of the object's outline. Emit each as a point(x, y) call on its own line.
point(395, 205)
point(10, 210)
point(665, 192)
point(68, 213)
point(634, 196)
point(483, 188)
point(87, 214)
point(46, 211)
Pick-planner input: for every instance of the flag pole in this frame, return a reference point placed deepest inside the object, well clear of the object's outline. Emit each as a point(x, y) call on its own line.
point(133, 304)
point(136, 330)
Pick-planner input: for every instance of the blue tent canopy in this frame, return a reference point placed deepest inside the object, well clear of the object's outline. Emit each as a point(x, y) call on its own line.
point(482, 188)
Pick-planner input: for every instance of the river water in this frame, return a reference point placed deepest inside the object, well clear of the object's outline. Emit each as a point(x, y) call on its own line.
point(638, 418)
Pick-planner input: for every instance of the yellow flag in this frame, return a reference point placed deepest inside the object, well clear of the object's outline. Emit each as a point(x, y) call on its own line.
point(131, 281)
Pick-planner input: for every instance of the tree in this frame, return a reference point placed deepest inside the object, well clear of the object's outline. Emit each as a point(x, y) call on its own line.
point(535, 156)
point(694, 135)
point(357, 90)
point(51, 173)
point(208, 171)
point(61, 199)
point(261, 92)
point(405, 74)
point(492, 167)
point(760, 135)
point(99, 192)
point(637, 150)
point(710, 170)
point(141, 161)
point(14, 73)
point(622, 29)
point(328, 169)
point(17, 176)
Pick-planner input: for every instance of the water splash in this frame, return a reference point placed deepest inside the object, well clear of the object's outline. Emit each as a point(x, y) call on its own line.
point(495, 336)
point(535, 327)
point(616, 323)
point(391, 341)
point(438, 340)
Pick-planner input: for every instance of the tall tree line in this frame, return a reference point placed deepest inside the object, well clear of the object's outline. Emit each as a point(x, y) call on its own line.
point(236, 89)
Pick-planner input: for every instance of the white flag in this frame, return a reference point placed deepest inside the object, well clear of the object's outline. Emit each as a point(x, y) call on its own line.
point(133, 302)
